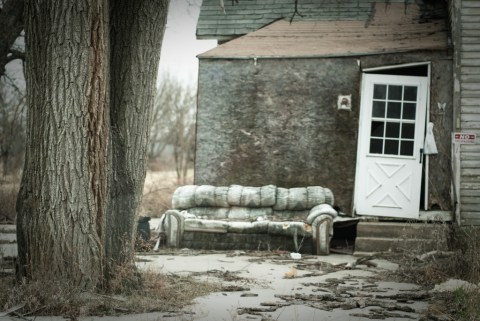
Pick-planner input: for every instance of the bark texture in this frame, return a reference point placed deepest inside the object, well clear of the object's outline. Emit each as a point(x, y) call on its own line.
point(136, 35)
point(91, 75)
point(63, 193)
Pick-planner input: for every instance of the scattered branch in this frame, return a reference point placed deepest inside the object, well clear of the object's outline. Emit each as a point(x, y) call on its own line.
point(434, 254)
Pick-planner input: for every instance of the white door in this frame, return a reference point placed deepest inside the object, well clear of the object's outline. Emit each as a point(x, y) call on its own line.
point(391, 133)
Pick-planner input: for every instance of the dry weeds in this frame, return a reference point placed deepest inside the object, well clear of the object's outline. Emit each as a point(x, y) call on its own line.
point(158, 191)
point(156, 293)
point(463, 263)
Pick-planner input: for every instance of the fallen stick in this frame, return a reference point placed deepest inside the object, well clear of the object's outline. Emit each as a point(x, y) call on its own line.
point(12, 309)
point(434, 254)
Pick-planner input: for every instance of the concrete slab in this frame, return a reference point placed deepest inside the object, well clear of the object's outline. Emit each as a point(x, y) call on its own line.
point(276, 287)
point(321, 287)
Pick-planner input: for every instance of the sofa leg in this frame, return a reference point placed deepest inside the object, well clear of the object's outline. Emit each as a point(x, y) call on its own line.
point(321, 234)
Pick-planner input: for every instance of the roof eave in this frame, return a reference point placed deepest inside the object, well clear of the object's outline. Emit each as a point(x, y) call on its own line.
point(345, 55)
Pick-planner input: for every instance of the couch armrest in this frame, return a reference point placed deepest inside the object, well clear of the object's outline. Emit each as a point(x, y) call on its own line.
point(321, 218)
point(321, 227)
point(174, 226)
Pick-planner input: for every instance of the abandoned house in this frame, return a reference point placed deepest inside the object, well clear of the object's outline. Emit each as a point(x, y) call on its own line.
point(377, 101)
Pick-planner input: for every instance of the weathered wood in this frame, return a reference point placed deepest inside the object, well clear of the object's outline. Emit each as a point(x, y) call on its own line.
point(470, 4)
point(471, 101)
point(467, 11)
point(471, 215)
point(469, 200)
point(471, 163)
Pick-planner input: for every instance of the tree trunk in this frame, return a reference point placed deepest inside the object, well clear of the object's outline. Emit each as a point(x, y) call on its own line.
point(91, 75)
point(136, 35)
point(63, 195)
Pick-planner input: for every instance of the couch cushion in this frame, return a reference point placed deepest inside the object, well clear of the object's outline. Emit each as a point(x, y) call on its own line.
point(248, 196)
point(302, 198)
point(248, 213)
point(184, 197)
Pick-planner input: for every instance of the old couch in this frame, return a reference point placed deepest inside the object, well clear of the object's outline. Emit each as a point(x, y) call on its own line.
point(242, 217)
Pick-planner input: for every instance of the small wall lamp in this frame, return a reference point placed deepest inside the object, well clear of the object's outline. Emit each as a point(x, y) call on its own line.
point(344, 102)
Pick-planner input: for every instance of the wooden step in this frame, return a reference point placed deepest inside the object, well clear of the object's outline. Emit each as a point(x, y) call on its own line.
point(400, 236)
point(377, 244)
point(402, 230)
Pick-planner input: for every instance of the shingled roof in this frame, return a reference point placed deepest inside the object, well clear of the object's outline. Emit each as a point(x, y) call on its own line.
point(391, 30)
point(240, 17)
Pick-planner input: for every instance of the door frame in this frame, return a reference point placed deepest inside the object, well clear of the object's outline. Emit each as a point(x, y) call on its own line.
point(425, 163)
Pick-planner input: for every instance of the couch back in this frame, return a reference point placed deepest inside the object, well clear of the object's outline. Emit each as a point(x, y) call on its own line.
point(269, 196)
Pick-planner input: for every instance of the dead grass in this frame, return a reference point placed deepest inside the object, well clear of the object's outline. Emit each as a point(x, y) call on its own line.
point(156, 293)
point(158, 191)
point(462, 263)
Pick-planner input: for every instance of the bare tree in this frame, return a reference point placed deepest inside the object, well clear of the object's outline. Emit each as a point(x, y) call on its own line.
point(12, 127)
point(174, 124)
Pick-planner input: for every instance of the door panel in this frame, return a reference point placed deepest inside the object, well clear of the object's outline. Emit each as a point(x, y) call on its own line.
point(391, 132)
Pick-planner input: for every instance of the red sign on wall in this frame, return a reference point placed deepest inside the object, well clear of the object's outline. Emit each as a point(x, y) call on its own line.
point(464, 138)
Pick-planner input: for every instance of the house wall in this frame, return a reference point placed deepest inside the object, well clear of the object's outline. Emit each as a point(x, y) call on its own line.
point(275, 121)
point(465, 18)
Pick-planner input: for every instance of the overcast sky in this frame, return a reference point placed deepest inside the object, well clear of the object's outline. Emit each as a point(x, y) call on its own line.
point(180, 47)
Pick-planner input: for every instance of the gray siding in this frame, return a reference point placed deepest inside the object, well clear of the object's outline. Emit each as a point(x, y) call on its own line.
point(465, 16)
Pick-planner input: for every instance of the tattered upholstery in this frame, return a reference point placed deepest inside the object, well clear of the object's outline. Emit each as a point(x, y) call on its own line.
point(290, 212)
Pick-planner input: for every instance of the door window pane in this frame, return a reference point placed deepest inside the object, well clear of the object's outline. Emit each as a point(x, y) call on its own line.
point(391, 147)
point(377, 129)
point(410, 93)
point(394, 110)
point(376, 146)
point(406, 148)
point(378, 109)
point(395, 92)
point(408, 131)
point(379, 91)
point(393, 130)
point(409, 110)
